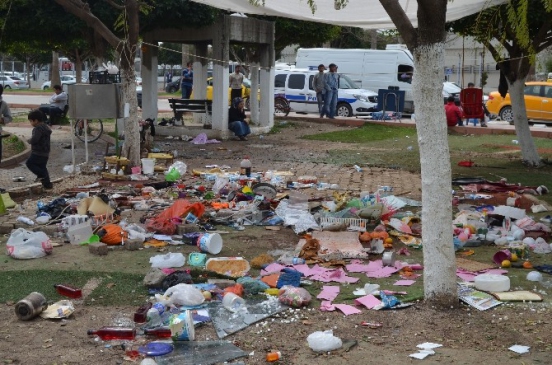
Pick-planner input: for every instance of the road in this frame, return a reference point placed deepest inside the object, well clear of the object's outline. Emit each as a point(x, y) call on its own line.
point(34, 100)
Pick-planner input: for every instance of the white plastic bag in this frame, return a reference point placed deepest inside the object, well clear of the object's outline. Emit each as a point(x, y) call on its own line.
point(181, 294)
point(24, 244)
point(167, 261)
point(324, 341)
point(220, 183)
point(180, 166)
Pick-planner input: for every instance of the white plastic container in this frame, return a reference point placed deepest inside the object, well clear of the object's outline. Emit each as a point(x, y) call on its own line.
point(492, 283)
point(148, 165)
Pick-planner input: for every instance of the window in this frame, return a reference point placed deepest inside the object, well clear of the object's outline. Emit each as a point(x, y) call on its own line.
point(405, 73)
point(311, 77)
point(296, 81)
point(548, 92)
point(280, 80)
point(346, 83)
point(532, 90)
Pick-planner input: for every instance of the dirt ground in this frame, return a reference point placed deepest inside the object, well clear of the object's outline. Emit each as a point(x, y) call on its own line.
point(468, 336)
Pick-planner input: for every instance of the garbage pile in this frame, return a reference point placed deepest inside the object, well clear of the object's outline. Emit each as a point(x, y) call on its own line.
point(341, 236)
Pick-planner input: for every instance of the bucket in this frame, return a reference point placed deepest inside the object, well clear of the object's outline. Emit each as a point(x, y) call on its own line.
point(182, 326)
point(210, 243)
point(148, 165)
point(501, 256)
point(30, 306)
point(136, 170)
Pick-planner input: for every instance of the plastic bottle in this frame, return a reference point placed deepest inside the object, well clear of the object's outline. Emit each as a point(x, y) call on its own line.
point(114, 333)
point(245, 167)
point(273, 356)
point(68, 291)
point(159, 332)
point(289, 260)
point(358, 168)
point(155, 315)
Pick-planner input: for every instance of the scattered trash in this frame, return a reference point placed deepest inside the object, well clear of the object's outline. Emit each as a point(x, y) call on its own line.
point(519, 349)
point(324, 341)
point(58, 310)
point(168, 260)
point(23, 244)
point(30, 306)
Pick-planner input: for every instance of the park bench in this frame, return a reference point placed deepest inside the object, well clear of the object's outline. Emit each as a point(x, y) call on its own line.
point(181, 106)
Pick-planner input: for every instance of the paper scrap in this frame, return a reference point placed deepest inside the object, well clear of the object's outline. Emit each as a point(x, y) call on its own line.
point(327, 306)
point(404, 282)
point(428, 345)
point(272, 268)
point(329, 292)
point(422, 354)
point(347, 309)
point(519, 349)
point(384, 272)
point(369, 301)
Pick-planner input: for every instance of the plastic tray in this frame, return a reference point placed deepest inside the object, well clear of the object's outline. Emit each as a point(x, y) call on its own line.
point(356, 223)
point(230, 266)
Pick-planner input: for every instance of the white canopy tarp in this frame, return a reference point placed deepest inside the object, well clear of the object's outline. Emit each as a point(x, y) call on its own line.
point(367, 14)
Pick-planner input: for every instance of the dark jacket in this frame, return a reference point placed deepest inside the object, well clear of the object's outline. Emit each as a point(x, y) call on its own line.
point(40, 141)
point(234, 114)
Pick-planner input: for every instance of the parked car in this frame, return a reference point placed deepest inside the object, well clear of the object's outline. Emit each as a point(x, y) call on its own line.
point(451, 89)
point(296, 85)
point(173, 86)
point(65, 80)
point(538, 102)
point(12, 82)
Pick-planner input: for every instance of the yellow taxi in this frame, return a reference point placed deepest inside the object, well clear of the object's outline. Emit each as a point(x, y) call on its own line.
point(246, 89)
point(538, 102)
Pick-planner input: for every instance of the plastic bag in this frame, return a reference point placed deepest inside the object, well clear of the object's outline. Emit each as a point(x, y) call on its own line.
point(220, 182)
point(294, 297)
point(179, 166)
point(24, 244)
point(173, 175)
point(324, 341)
point(181, 294)
point(164, 222)
point(167, 261)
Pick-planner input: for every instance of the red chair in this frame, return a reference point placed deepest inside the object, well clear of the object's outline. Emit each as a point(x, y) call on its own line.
point(471, 100)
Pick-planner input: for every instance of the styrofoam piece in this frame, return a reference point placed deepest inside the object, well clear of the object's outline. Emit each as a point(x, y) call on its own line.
point(492, 283)
point(352, 223)
point(509, 212)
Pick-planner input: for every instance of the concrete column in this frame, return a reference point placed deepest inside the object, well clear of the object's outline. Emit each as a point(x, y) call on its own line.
point(200, 80)
point(267, 86)
point(254, 97)
point(221, 44)
point(149, 82)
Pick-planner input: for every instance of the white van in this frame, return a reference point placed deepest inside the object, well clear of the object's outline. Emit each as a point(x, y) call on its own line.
point(371, 69)
point(296, 84)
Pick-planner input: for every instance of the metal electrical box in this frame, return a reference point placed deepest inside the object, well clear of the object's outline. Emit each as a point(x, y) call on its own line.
point(95, 101)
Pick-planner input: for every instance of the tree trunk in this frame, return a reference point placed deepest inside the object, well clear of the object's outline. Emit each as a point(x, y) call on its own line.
point(55, 78)
point(439, 259)
point(78, 66)
point(529, 153)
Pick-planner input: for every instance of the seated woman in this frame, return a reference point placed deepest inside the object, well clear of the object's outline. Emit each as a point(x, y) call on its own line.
point(237, 122)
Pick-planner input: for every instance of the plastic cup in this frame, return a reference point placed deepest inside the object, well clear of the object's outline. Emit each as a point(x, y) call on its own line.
point(148, 165)
point(232, 302)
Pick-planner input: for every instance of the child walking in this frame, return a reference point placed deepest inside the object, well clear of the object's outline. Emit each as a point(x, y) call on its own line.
point(40, 148)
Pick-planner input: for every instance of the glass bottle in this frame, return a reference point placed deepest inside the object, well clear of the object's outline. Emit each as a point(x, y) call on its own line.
point(68, 291)
point(114, 333)
point(140, 316)
point(159, 332)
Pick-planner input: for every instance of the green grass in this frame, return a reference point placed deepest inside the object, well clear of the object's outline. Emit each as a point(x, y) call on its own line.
point(17, 144)
point(128, 288)
point(396, 147)
point(279, 125)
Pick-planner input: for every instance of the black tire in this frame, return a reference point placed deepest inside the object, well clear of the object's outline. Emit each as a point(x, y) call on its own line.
point(172, 89)
point(281, 107)
point(7, 87)
point(506, 114)
point(45, 88)
point(247, 104)
point(344, 110)
point(94, 130)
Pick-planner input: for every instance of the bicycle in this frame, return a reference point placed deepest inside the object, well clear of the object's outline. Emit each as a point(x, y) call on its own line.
point(94, 129)
point(281, 106)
